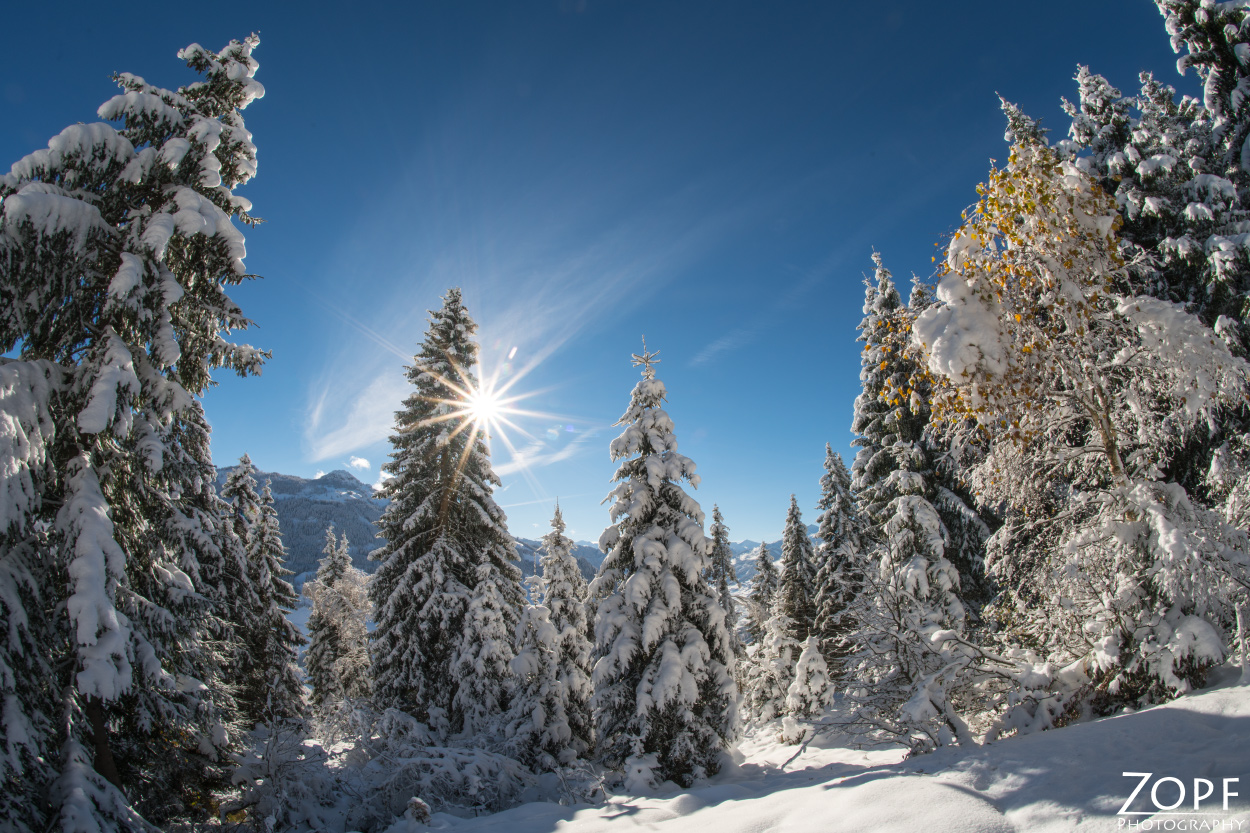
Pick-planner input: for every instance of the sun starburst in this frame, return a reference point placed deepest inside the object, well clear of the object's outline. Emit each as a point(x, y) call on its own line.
point(485, 408)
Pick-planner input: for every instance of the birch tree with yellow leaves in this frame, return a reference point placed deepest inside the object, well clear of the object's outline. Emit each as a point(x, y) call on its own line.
point(1084, 389)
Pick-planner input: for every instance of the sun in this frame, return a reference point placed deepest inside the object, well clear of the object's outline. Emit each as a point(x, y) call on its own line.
point(484, 407)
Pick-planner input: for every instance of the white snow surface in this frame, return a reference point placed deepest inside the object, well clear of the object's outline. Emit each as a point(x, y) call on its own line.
point(1061, 780)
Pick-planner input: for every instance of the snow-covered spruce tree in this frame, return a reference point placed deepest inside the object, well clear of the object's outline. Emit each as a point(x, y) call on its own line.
point(796, 595)
point(325, 642)
point(762, 600)
point(888, 420)
point(229, 582)
point(1214, 38)
point(769, 670)
point(892, 421)
point(720, 574)
point(271, 684)
point(537, 727)
point(27, 678)
point(550, 717)
point(118, 245)
point(840, 559)
point(348, 607)
point(482, 665)
point(447, 594)
point(665, 703)
point(1071, 376)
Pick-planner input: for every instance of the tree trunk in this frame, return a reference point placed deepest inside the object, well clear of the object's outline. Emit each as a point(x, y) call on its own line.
point(104, 763)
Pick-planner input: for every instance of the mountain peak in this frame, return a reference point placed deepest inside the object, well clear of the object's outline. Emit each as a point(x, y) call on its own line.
point(340, 477)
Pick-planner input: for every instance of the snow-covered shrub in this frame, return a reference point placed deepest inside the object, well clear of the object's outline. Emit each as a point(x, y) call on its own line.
point(384, 759)
point(448, 778)
point(811, 691)
point(1143, 593)
point(770, 671)
point(283, 780)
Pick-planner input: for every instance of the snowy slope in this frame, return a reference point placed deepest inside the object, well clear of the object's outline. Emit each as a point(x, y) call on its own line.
point(1063, 780)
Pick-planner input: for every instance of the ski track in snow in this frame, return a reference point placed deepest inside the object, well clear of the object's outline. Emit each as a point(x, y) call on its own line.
point(1062, 780)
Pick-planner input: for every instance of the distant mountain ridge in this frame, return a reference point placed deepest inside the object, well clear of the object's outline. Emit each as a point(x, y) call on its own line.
point(744, 554)
point(307, 506)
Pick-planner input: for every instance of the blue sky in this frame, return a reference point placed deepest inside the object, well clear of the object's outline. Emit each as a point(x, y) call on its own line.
point(712, 175)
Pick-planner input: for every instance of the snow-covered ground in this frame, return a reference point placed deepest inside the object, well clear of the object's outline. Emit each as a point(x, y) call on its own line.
point(1064, 780)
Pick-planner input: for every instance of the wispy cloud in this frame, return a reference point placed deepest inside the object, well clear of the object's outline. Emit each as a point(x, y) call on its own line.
point(344, 417)
point(745, 334)
point(539, 263)
point(544, 452)
point(359, 463)
point(550, 500)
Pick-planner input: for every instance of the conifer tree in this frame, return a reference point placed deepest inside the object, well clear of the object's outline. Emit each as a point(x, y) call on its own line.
point(796, 596)
point(482, 664)
point(1182, 210)
point(549, 721)
point(254, 598)
point(537, 725)
point(765, 585)
point(908, 681)
point(892, 419)
point(1214, 38)
point(272, 684)
point(840, 558)
point(565, 594)
point(230, 581)
point(888, 420)
point(118, 244)
point(720, 573)
point(27, 759)
point(664, 702)
point(447, 594)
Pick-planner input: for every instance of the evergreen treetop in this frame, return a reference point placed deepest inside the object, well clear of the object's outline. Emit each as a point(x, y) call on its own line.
point(720, 573)
point(839, 555)
point(796, 599)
